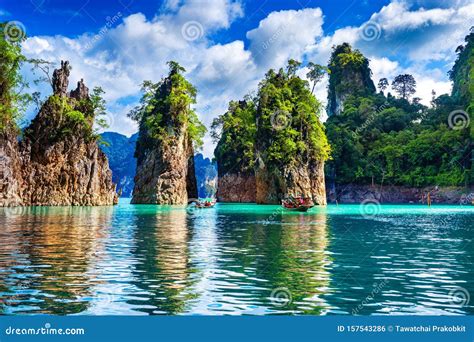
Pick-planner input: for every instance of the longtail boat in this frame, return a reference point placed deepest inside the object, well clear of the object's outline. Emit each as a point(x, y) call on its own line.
point(301, 204)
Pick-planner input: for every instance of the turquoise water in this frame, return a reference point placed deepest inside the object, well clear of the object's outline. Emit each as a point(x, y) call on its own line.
point(237, 259)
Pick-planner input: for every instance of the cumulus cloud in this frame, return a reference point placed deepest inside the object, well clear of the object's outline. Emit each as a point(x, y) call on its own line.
point(284, 35)
point(426, 82)
point(120, 56)
point(123, 53)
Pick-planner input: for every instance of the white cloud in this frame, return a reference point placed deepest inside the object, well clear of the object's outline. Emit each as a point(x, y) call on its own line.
point(383, 68)
point(121, 56)
point(284, 35)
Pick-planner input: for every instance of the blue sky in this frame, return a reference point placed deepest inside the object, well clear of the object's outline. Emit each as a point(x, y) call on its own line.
point(228, 45)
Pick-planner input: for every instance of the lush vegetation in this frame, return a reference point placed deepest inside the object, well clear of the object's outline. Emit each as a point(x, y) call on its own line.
point(74, 115)
point(387, 140)
point(349, 74)
point(235, 132)
point(13, 100)
point(288, 129)
point(278, 126)
point(165, 107)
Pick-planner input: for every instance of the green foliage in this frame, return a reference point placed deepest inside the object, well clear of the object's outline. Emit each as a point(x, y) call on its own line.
point(383, 84)
point(316, 73)
point(165, 107)
point(392, 141)
point(462, 73)
point(279, 126)
point(235, 132)
point(404, 85)
point(285, 97)
point(13, 101)
point(349, 73)
point(69, 118)
point(392, 145)
point(98, 107)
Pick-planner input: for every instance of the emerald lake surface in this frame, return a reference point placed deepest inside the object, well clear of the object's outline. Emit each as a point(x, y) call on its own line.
point(237, 259)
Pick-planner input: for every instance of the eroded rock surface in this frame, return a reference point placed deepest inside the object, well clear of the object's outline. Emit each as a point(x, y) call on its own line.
point(58, 161)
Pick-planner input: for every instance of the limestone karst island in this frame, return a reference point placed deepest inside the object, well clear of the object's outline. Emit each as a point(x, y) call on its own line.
point(236, 157)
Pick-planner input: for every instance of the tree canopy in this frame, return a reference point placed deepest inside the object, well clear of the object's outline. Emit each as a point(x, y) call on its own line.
point(389, 140)
point(165, 107)
point(13, 99)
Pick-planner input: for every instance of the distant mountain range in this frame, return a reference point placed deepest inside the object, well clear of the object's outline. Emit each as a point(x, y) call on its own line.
point(120, 150)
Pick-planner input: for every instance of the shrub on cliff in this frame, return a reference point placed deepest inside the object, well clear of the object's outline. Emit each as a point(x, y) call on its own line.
point(166, 106)
point(288, 128)
point(13, 101)
point(235, 133)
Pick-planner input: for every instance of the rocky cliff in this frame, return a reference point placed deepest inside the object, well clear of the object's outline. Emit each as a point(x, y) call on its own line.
point(272, 146)
point(237, 187)
point(291, 145)
point(401, 194)
point(58, 162)
point(235, 152)
point(349, 75)
point(10, 170)
point(165, 165)
point(303, 178)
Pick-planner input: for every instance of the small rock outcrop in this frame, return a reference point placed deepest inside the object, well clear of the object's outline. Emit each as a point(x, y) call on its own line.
point(164, 151)
point(349, 75)
point(58, 161)
point(61, 79)
point(353, 193)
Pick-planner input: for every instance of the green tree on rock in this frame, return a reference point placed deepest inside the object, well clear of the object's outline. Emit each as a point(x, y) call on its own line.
point(165, 108)
point(404, 85)
point(13, 100)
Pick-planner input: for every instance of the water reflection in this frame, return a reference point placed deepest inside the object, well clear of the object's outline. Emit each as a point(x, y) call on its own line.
point(45, 255)
point(148, 260)
point(163, 270)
